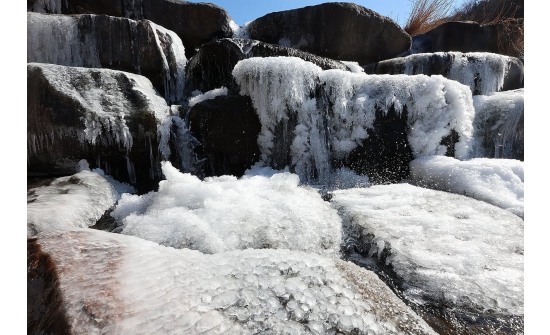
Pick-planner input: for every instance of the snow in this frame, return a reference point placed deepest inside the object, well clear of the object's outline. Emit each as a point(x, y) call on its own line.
point(499, 182)
point(319, 115)
point(113, 283)
point(498, 124)
point(207, 96)
point(75, 201)
point(225, 213)
point(106, 105)
point(447, 248)
point(67, 40)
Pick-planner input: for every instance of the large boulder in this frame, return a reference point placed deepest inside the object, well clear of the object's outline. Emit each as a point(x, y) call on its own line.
point(113, 119)
point(194, 23)
point(227, 129)
point(483, 72)
point(101, 41)
point(466, 36)
point(343, 31)
point(211, 67)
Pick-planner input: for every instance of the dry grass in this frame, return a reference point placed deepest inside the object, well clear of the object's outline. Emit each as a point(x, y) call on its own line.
point(426, 15)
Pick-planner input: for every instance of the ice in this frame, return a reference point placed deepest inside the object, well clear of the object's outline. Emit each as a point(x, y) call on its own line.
point(353, 66)
point(113, 283)
point(69, 202)
point(240, 31)
point(47, 6)
point(499, 182)
point(321, 115)
point(225, 213)
point(207, 96)
point(498, 124)
point(447, 248)
point(73, 41)
point(106, 104)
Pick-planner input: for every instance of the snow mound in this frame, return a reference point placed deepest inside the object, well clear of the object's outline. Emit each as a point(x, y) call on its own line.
point(120, 284)
point(499, 182)
point(225, 213)
point(447, 248)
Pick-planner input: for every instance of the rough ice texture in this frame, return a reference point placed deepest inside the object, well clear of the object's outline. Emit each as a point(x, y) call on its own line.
point(207, 96)
point(496, 181)
point(75, 201)
point(498, 125)
point(225, 213)
point(105, 105)
point(319, 115)
point(81, 40)
point(447, 248)
point(117, 284)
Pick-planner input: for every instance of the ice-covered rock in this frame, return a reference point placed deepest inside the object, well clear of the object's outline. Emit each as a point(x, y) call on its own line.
point(498, 125)
point(468, 36)
point(342, 31)
point(120, 284)
point(311, 117)
point(446, 249)
point(225, 213)
point(211, 67)
point(194, 23)
point(113, 119)
point(101, 41)
point(226, 129)
point(75, 201)
point(483, 72)
point(496, 181)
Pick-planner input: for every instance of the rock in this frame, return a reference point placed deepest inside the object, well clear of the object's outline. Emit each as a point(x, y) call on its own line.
point(194, 23)
point(499, 125)
point(483, 72)
point(101, 41)
point(227, 129)
point(466, 36)
point(113, 119)
point(211, 67)
point(342, 31)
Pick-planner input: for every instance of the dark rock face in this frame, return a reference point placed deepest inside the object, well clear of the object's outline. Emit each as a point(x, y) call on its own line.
point(211, 67)
point(104, 116)
point(100, 41)
point(227, 129)
point(194, 23)
point(483, 67)
point(342, 31)
point(45, 311)
point(468, 36)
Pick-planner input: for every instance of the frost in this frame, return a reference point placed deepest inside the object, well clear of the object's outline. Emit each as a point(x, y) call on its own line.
point(207, 96)
point(225, 213)
point(499, 182)
point(447, 248)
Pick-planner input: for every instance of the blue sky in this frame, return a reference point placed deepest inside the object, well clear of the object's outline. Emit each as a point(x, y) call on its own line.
point(243, 11)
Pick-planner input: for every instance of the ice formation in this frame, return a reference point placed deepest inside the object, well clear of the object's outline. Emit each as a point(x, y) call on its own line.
point(320, 115)
point(225, 213)
point(498, 125)
point(207, 96)
point(75, 201)
point(77, 40)
point(447, 248)
point(499, 182)
point(119, 284)
point(106, 104)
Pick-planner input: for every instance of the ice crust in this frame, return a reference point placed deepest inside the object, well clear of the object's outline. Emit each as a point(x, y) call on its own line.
point(207, 96)
point(319, 115)
point(59, 39)
point(481, 71)
point(225, 213)
point(498, 124)
point(106, 105)
point(75, 201)
point(119, 284)
point(499, 182)
point(447, 248)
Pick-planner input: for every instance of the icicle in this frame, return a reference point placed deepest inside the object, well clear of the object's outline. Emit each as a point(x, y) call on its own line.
point(131, 170)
